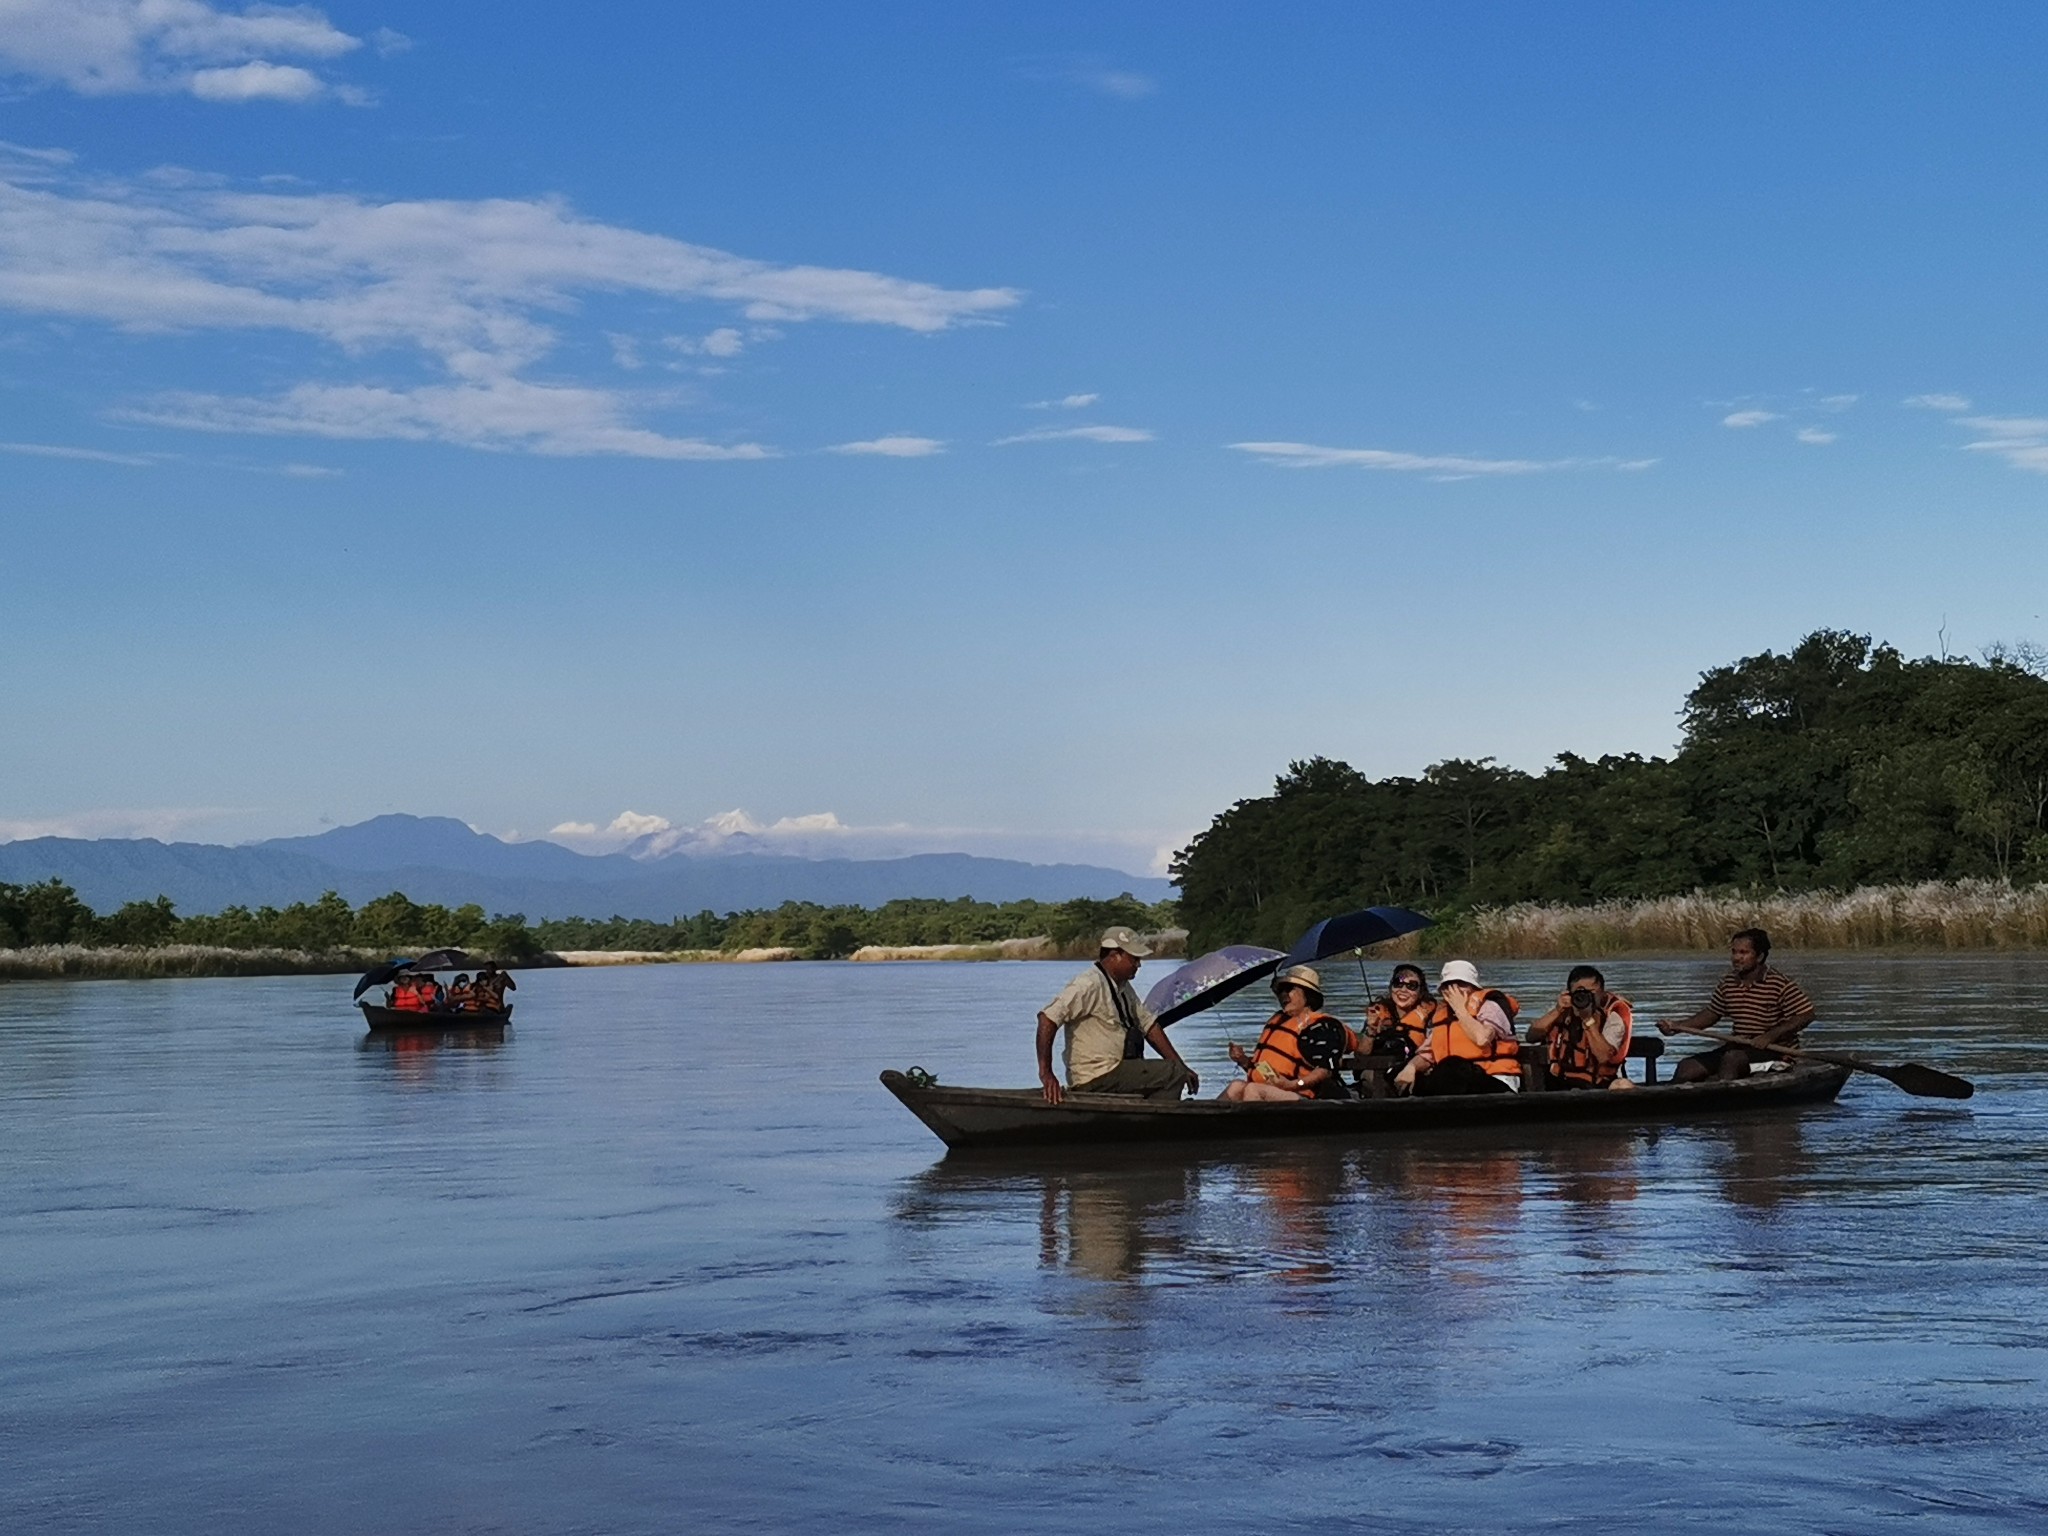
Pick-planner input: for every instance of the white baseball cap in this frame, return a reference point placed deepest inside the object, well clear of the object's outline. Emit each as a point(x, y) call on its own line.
point(1127, 941)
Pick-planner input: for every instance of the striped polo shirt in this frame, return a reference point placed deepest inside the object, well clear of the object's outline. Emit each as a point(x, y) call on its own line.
point(1755, 1008)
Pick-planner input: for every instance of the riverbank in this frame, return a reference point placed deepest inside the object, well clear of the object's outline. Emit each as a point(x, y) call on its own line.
point(1931, 916)
point(53, 962)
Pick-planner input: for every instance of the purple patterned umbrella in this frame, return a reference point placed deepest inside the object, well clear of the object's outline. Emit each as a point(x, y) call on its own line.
point(1207, 980)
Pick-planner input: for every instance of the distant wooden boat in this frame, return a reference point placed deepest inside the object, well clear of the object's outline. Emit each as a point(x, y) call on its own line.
point(967, 1118)
point(381, 1019)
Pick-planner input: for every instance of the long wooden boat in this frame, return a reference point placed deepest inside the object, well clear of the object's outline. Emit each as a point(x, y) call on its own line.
point(382, 1019)
point(969, 1118)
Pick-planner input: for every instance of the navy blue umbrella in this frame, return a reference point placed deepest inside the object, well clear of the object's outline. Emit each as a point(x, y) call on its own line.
point(380, 975)
point(1353, 930)
point(1207, 980)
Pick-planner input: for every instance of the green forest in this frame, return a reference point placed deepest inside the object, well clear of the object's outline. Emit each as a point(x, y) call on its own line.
point(51, 913)
point(1838, 764)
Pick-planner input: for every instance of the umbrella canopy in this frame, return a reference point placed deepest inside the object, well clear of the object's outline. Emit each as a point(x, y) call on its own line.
point(1353, 930)
point(378, 975)
point(1207, 980)
point(448, 960)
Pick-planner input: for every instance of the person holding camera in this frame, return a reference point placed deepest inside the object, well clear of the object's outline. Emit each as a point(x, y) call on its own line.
point(1586, 1033)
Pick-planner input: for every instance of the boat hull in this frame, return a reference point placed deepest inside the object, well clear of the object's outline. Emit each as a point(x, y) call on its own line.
point(384, 1020)
point(972, 1118)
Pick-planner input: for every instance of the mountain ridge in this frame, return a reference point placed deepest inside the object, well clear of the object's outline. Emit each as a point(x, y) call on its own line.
point(541, 880)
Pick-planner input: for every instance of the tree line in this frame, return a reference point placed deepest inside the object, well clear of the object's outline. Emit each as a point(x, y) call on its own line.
point(1840, 763)
point(52, 913)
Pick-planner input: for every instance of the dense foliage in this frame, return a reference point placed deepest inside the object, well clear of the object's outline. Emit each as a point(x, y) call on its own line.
point(51, 913)
point(1836, 765)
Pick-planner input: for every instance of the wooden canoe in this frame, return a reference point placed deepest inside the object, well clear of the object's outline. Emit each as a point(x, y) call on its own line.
point(382, 1019)
point(966, 1118)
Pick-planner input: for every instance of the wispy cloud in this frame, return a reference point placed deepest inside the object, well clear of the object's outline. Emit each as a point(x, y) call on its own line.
point(63, 451)
point(1064, 403)
point(1947, 403)
point(1090, 72)
point(474, 290)
point(1078, 435)
point(1814, 435)
point(893, 447)
point(124, 47)
point(1444, 466)
point(824, 835)
point(166, 823)
point(1750, 418)
point(2022, 441)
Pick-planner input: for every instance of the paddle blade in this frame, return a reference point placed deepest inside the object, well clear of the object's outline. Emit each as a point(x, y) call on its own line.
point(1926, 1083)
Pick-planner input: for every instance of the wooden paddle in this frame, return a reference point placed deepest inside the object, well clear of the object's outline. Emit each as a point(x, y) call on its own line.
point(1921, 1082)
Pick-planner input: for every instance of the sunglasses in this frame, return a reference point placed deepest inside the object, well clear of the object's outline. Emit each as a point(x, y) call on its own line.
point(1404, 986)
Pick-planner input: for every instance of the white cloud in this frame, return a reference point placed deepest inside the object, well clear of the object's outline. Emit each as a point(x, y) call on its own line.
point(1750, 418)
point(1078, 435)
point(1092, 73)
point(118, 47)
point(476, 290)
point(310, 472)
point(166, 823)
point(1838, 402)
point(1442, 466)
point(2022, 441)
point(1814, 435)
point(61, 451)
point(823, 835)
point(893, 447)
point(1939, 402)
point(1064, 403)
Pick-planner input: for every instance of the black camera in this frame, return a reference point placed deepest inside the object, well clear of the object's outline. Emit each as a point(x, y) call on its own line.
point(1583, 998)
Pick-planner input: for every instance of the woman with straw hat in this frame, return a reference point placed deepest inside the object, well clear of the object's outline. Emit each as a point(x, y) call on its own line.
point(1299, 1051)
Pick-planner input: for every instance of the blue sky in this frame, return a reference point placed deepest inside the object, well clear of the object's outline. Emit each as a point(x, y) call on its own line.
point(1016, 429)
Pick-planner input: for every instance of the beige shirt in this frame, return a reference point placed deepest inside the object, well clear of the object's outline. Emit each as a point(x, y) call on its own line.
point(1086, 1010)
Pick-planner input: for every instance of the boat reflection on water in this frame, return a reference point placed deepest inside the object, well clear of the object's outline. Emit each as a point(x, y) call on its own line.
point(416, 1053)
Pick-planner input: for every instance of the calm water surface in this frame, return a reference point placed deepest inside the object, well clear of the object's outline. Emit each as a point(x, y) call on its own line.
point(669, 1259)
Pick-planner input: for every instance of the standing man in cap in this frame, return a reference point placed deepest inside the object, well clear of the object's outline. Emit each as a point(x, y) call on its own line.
point(1107, 1029)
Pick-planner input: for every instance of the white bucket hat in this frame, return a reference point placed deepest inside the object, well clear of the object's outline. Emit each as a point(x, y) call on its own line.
point(1457, 970)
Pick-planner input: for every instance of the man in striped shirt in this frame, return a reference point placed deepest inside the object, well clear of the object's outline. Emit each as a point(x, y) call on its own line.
point(1765, 1007)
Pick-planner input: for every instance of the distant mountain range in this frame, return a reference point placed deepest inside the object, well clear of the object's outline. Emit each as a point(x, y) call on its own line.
point(439, 859)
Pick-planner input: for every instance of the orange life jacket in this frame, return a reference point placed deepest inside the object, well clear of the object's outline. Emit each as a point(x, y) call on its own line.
point(405, 998)
point(1446, 1041)
point(489, 992)
point(1279, 1057)
point(1571, 1058)
point(461, 999)
point(1414, 1022)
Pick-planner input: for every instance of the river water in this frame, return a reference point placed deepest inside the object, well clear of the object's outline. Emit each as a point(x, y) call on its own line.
point(668, 1259)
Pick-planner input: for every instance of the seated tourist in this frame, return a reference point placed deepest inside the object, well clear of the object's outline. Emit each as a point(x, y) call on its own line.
point(1470, 1044)
point(1585, 1034)
point(490, 987)
point(1396, 1024)
point(433, 996)
point(1763, 1005)
point(461, 996)
point(1300, 1051)
point(405, 996)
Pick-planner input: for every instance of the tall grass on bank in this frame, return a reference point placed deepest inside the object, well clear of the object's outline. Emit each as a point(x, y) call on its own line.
point(1965, 914)
point(48, 962)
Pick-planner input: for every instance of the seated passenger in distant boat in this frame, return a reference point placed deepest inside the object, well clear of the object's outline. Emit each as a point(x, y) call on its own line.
point(405, 996)
point(433, 996)
point(1469, 1046)
point(1396, 1024)
point(1585, 1034)
point(490, 987)
point(461, 996)
point(1300, 1052)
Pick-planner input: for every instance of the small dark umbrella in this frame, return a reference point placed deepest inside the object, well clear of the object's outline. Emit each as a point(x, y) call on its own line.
point(1353, 930)
point(447, 960)
point(1207, 980)
point(381, 974)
